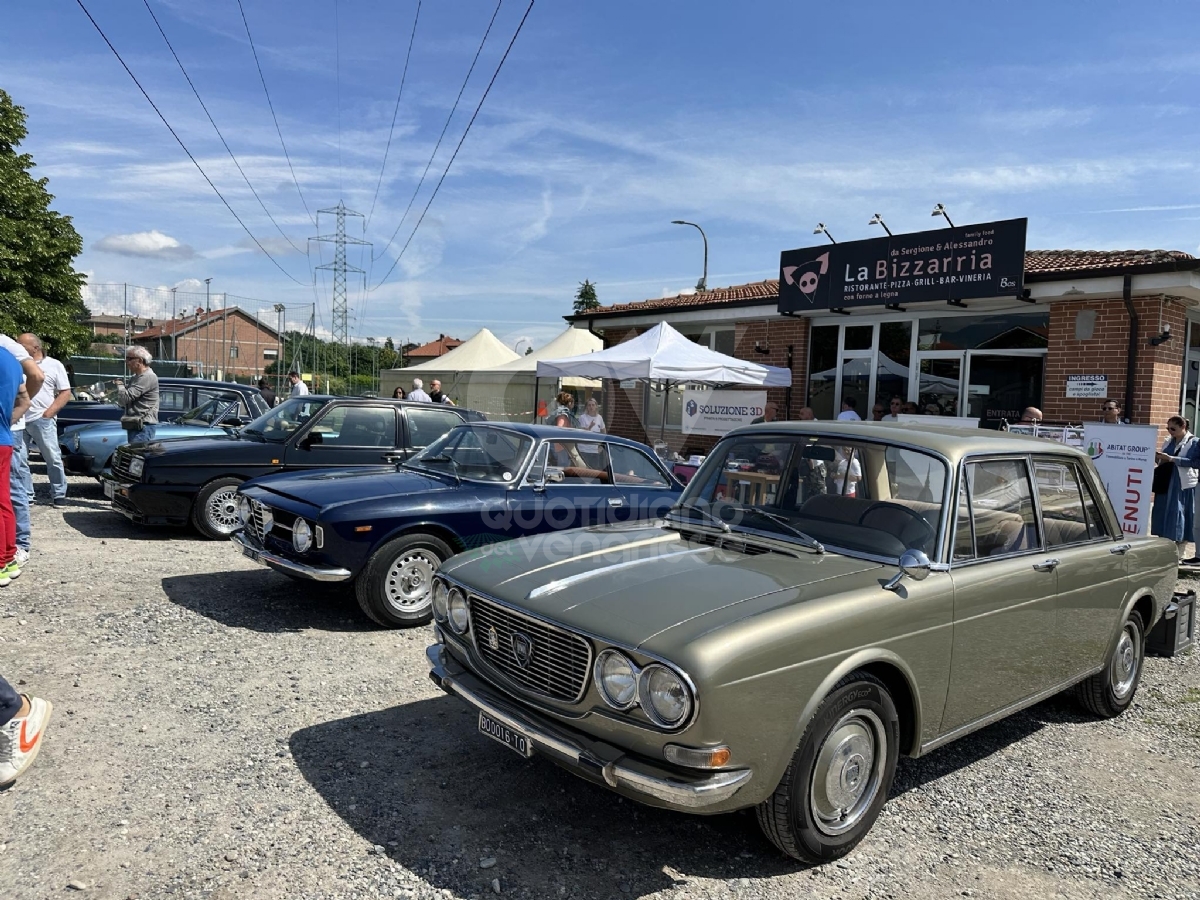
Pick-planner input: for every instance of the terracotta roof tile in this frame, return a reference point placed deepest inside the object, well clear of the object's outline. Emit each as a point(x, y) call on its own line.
point(187, 323)
point(1037, 262)
point(440, 347)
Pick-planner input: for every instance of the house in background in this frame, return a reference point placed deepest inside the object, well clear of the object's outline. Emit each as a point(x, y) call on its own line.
point(224, 344)
point(425, 352)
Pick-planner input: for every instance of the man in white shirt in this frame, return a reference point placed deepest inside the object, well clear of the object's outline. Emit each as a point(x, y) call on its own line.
point(417, 394)
point(849, 411)
point(41, 422)
point(299, 388)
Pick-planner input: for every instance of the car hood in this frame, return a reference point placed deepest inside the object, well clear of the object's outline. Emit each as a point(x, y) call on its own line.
point(631, 583)
point(335, 487)
point(210, 450)
point(161, 431)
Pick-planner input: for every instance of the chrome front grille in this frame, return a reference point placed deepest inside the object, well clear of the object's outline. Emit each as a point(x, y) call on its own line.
point(260, 513)
point(557, 663)
point(120, 466)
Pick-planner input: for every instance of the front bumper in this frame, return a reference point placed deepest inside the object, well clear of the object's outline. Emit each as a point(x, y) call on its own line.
point(279, 563)
point(78, 463)
point(602, 763)
point(145, 504)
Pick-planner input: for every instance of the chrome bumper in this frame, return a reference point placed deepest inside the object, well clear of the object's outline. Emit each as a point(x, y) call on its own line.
point(623, 773)
point(275, 561)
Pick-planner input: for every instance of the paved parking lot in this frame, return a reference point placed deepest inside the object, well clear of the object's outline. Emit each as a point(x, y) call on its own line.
point(221, 732)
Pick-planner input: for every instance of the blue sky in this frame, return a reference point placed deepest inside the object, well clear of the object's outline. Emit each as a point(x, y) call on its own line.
point(755, 119)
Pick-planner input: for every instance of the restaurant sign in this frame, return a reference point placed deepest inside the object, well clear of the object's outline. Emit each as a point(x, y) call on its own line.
point(966, 262)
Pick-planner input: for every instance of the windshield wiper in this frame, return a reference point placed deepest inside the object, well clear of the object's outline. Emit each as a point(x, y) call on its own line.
point(444, 458)
point(716, 520)
point(808, 540)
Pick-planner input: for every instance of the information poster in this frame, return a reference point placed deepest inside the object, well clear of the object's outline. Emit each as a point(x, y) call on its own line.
point(718, 412)
point(1124, 457)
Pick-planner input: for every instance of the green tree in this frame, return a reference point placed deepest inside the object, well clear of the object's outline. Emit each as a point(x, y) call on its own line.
point(585, 298)
point(39, 287)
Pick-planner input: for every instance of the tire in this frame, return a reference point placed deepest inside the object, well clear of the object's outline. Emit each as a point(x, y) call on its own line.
point(214, 512)
point(1109, 692)
point(854, 739)
point(395, 589)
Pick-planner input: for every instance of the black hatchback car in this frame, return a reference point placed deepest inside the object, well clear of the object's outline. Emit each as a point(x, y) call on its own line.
point(175, 397)
point(196, 480)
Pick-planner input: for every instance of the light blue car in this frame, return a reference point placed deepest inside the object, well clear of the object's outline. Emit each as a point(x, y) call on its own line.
point(88, 449)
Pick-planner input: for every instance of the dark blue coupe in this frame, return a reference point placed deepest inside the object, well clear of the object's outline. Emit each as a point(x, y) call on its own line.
point(480, 483)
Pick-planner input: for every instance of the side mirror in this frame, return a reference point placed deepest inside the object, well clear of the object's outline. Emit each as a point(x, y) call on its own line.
point(914, 564)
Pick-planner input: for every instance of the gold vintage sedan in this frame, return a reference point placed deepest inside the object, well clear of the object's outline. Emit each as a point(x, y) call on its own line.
point(824, 597)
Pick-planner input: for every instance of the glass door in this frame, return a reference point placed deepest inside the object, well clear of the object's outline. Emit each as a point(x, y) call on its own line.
point(939, 383)
point(1001, 385)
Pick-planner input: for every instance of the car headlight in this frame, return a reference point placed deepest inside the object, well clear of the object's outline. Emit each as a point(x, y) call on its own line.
point(441, 599)
point(664, 696)
point(302, 537)
point(617, 678)
point(244, 510)
point(136, 466)
point(456, 611)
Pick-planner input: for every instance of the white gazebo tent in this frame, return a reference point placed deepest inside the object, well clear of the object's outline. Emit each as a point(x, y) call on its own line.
point(483, 350)
point(664, 355)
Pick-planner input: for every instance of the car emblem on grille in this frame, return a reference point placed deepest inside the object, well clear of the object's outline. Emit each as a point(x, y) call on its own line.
point(493, 639)
point(522, 648)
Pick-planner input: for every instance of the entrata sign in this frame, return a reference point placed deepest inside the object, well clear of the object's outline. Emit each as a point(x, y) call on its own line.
point(961, 263)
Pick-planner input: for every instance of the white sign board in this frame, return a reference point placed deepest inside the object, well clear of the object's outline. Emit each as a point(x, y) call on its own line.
point(717, 412)
point(1124, 457)
point(1087, 386)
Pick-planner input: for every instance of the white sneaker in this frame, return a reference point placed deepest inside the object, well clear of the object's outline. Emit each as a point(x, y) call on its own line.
point(22, 555)
point(20, 739)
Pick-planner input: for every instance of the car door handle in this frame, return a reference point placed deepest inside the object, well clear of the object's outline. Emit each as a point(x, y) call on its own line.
point(1048, 565)
point(1120, 548)
point(616, 501)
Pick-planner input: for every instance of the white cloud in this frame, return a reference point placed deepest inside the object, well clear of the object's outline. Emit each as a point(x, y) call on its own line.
point(151, 244)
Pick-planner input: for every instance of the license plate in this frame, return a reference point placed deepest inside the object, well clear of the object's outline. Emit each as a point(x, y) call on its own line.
point(251, 553)
point(498, 731)
point(109, 489)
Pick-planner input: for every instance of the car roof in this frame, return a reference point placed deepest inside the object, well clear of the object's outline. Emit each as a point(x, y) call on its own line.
point(949, 441)
point(204, 382)
point(554, 432)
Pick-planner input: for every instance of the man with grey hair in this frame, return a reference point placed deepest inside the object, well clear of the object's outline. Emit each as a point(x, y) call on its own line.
point(41, 421)
point(418, 393)
point(139, 397)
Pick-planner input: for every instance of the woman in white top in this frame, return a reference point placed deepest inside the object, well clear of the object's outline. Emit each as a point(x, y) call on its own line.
point(591, 420)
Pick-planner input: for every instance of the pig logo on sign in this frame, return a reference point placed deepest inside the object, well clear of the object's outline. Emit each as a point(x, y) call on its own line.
point(809, 275)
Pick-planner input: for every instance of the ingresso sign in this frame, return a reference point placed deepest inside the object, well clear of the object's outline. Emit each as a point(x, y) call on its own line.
point(970, 261)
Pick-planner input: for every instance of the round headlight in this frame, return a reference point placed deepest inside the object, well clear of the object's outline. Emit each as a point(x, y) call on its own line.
point(456, 611)
point(441, 599)
point(244, 510)
point(301, 536)
point(665, 697)
point(617, 678)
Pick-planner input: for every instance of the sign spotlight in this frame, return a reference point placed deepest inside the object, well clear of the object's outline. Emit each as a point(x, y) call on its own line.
point(940, 210)
point(821, 229)
point(877, 219)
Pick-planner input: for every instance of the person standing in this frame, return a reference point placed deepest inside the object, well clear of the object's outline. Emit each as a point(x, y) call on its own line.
point(20, 479)
point(41, 422)
point(849, 411)
point(1111, 410)
point(592, 421)
point(806, 414)
point(299, 388)
point(770, 411)
point(1175, 479)
point(139, 397)
point(417, 394)
point(10, 387)
point(436, 395)
point(268, 394)
point(894, 406)
point(398, 393)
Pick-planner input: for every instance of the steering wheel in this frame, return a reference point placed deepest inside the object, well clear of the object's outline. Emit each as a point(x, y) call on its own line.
point(927, 529)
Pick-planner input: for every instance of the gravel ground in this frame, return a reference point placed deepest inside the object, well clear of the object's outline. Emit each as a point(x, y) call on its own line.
point(220, 732)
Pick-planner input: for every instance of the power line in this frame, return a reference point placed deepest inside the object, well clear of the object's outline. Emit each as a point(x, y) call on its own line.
point(271, 106)
point(445, 128)
point(454, 156)
point(245, 178)
point(403, 76)
point(179, 140)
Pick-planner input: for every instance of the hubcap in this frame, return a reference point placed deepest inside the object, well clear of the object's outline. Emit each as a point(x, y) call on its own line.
point(409, 581)
point(1123, 669)
point(848, 772)
point(222, 510)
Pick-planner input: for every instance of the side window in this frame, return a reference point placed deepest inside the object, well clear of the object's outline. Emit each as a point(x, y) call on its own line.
point(1001, 507)
point(1063, 519)
point(578, 464)
point(1097, 527)
point(427, 425)
point(203, 395)
point(630, 466)
point(357, 426)
point(175, 399)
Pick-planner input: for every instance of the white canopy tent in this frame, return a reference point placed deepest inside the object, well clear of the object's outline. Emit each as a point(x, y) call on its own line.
point(483, 350)
point(663, 354)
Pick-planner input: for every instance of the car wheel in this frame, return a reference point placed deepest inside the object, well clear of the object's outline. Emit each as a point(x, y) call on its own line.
point(1109, 692)
point(215, 512)
point(839, 776)
point(396, 587)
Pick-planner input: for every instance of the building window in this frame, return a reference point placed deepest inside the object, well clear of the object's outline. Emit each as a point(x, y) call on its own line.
point(271, 353)
point(233, 351)
point(1007, 331)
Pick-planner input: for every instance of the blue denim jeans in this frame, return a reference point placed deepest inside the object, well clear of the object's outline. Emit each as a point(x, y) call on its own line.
point(10, 702)
point(21, 484)
point(145, 436)
point(44, 433)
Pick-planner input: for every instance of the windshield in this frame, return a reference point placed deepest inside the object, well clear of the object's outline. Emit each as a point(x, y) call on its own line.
point(859, 496)
point(475, 453)
point(213, 409)
point(283, 421)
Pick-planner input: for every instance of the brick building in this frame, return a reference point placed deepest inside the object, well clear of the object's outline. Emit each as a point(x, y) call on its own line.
point(425, 352)
point(222, 343)
point(1130, 319)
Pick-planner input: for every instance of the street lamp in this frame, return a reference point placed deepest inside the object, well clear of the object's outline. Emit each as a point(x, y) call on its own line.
point(940, 210)
point(702, 285)
point(279, 355)
point(821, 229)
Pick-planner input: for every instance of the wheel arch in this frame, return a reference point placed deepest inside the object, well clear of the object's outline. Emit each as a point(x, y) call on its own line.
point(896, 676)
point(434, 529)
